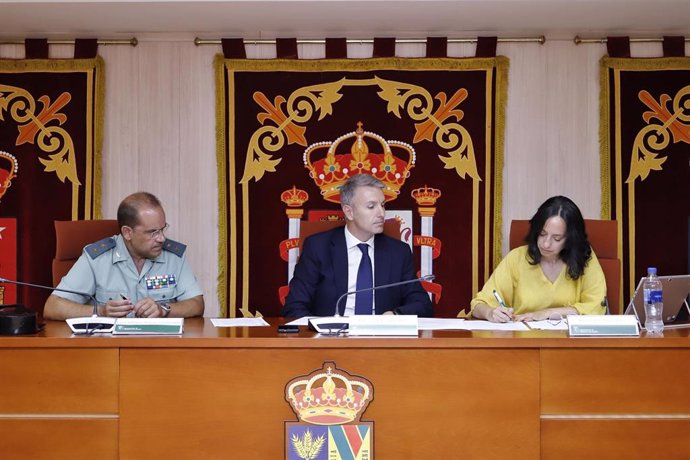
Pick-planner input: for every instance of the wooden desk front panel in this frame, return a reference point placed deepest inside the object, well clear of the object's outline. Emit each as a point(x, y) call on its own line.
point(620, 439)
point(58, 381)
point(611, 403)
point(58, 403)
point(208, 403)
point(61, 438)
point(615, 381)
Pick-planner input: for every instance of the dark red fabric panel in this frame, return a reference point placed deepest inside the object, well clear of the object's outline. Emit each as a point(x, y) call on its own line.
point(486, 46)
point(272, 114)
point(336, 48)
point(286, 48)
point(436, 47)
point(58, 101)
point(384, 47)
point(233, 48)
point(36, 48)
point(618, 46)
point(648, 187)
point(85, 48)
point(674, 46)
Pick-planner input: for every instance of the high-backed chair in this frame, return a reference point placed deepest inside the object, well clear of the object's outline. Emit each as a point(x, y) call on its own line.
point(603, 237)
point(310, 227)
point(70, 238)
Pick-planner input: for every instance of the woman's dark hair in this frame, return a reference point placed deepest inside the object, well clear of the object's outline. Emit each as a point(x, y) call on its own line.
point(576, 252)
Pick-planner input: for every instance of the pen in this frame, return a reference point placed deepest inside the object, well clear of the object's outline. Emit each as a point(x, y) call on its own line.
point(500, 301)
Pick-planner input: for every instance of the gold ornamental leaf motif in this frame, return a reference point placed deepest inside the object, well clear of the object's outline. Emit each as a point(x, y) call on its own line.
point(257, 163)
point(644, 160)
point(461, 157)
point(18, 102)
point(34, 128)
point(303, 102)
point(398, 95)
point(664, 127)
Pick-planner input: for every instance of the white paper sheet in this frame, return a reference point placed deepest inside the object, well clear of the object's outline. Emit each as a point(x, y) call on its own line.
point(239, 322)
point(303, 321)
point(440, 324)
point(481, 325)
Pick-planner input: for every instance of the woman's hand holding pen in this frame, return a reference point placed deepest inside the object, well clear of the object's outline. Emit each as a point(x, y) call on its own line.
point(500, 314)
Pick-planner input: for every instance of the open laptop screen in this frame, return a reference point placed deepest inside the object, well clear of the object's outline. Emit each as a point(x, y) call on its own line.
point(676, 290)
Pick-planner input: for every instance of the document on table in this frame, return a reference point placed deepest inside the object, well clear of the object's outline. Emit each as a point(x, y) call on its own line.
point(440, 324)
point(481, 325)
point(303, 321)
point(239, 322)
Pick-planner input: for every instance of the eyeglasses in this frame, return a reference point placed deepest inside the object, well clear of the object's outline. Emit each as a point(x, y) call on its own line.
point(555, 319)
point(335, 332)
point(153, 234)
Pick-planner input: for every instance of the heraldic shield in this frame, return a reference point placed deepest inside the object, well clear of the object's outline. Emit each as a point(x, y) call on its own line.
point(329, 403)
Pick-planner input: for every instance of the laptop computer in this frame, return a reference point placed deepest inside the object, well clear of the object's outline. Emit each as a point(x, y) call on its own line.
point(676, 290)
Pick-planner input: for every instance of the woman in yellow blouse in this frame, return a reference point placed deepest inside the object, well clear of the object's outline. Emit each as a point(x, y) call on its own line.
point(555, 274)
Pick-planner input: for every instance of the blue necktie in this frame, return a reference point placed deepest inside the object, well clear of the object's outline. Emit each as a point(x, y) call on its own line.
point(364, 301)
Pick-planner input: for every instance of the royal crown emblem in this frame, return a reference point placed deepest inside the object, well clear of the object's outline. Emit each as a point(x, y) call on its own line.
point(294, 197)
point(391, 165)
point(426, 196)
point(329, 396)
point(9, 167)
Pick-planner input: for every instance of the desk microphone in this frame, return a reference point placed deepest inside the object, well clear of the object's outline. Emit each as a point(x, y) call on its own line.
point(383, 286)
point(84, 324)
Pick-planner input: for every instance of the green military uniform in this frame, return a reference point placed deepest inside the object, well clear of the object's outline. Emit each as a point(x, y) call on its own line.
point(106, 269)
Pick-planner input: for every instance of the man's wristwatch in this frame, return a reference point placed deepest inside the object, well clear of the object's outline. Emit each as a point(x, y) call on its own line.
point(166, 309)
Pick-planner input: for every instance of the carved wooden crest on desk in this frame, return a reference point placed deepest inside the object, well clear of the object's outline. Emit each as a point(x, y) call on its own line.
point(329, 404)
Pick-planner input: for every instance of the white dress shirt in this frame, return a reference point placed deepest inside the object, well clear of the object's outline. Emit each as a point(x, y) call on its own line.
point(354, 257)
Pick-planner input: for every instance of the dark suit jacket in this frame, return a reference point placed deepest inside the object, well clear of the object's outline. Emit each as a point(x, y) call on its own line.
point(321, 277)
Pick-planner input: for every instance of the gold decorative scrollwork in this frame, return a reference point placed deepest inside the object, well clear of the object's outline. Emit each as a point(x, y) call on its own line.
point(439, 124)
point(36, 128)
point(663, 128)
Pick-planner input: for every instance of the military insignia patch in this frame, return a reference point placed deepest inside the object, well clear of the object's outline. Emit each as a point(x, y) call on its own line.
point(329, 404)
point(160, 281)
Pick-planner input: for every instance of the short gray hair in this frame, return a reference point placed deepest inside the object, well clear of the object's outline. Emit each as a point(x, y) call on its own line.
point(347, 190)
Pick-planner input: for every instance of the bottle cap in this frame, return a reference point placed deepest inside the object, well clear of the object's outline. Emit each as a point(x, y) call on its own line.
point(651, 271)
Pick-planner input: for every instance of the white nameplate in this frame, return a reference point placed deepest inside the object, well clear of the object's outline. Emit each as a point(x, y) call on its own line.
point(602, 325)
point(384, 325)
point(91, 324)
point(149, 326)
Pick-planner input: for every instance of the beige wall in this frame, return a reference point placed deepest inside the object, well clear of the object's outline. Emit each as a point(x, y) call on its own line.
point(160, 130)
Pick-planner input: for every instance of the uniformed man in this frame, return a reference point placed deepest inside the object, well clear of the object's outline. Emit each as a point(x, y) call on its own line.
point(136, 273)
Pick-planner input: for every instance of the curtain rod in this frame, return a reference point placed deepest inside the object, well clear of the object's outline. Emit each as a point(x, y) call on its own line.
point(581, 41)
point(352, 41)
point(131, 41)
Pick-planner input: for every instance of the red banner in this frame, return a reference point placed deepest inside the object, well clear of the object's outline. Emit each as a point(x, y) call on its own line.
point(8, 259)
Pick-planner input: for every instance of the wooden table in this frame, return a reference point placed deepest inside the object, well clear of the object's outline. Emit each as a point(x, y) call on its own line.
point(219, 393)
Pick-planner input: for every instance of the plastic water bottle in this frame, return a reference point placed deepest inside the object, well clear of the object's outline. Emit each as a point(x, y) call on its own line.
point(653, 302)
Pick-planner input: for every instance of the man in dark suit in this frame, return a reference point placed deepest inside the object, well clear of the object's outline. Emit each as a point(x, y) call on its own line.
point(339, 261)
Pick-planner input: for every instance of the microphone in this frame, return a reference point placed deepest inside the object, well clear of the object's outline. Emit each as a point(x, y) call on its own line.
point(85, 324)
point(339, 327)
point(383, 286)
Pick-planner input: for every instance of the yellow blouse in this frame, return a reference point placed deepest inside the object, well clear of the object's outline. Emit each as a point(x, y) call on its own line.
point(525, 288)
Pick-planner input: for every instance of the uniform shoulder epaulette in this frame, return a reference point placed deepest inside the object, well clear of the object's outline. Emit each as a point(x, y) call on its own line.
point(175, 247)
point(99, 247)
